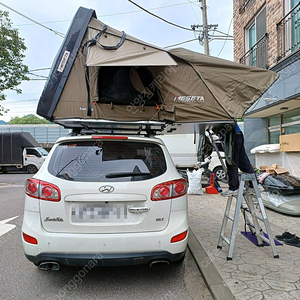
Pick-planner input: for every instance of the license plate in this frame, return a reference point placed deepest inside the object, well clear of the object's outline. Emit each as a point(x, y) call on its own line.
point(99, 212)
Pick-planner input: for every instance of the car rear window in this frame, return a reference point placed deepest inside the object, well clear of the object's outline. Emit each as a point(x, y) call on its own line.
point(107, 161)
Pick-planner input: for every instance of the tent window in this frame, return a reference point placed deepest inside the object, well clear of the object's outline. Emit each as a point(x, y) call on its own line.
point(127, 86)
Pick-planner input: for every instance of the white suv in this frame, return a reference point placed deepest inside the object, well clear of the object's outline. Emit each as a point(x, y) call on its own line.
point(109, 199)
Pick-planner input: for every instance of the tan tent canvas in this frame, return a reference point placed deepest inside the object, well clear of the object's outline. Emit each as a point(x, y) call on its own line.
point(103, 73)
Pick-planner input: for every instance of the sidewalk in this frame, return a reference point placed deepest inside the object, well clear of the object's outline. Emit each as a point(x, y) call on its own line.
point(252, 273)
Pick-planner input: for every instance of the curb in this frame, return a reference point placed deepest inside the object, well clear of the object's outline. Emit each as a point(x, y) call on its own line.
point(216, 285)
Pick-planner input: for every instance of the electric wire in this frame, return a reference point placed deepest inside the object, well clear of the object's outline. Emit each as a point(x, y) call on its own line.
point(38, 23)
point(45, 77)
point(226, 39)
point(40, 69)
point(162, 19)
point(226, 34)
point(116, 14)
point(191, 2)
point(195, 39)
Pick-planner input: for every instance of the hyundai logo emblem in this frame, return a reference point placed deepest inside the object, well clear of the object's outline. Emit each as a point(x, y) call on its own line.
point(106, 189)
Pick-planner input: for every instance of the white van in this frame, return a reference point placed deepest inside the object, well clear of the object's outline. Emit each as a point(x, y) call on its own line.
point(183, 149)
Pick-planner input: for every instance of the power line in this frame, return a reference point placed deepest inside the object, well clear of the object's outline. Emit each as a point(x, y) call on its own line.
point(45, 77)
point(40, 69)
point(49, 22)
point(152, 14)
point(225, 40)
point(117, 14)
point(195, 39)
point(226, 34)
point(38, 23)
point(191, 2)
point(19, 101)
point(36, 79)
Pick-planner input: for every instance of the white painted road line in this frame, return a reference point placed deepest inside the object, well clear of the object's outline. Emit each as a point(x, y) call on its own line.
point(4, 228)
point(10, 185)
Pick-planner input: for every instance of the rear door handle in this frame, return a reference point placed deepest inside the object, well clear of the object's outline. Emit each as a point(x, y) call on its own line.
point(138, 209)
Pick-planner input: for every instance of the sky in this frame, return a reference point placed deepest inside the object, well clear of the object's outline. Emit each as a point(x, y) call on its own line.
point(43, 43)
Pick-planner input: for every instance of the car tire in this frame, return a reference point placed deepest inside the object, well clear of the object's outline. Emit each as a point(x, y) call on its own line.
point(31, 169)
point(4, 170)
point(221, 175)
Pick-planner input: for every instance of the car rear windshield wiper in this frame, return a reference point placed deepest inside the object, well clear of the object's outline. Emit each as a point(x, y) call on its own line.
point(65, 176)
point(74, 159)
point(126, 174)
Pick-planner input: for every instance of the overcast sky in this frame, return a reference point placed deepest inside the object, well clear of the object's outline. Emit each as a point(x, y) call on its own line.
point(43, 44)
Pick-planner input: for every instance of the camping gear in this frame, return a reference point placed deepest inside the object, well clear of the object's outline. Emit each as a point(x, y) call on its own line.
point(282, 192)
point(283, 184)
point(211, 189)
point(103, 73)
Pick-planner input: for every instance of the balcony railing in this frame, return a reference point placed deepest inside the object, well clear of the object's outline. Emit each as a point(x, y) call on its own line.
point(257, 56)
point(243, 4)
point(288, 33)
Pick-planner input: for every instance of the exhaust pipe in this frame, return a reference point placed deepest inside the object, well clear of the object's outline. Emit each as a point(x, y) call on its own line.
point(159, 263)
point(49, 266)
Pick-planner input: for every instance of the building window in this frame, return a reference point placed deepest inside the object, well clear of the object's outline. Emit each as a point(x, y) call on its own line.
point(288, 29)
point(256, 42)
point(287, 123)
point(274, 129)
point(295, 25)
point(274, 136)
point(291, 122)
point(251, 43)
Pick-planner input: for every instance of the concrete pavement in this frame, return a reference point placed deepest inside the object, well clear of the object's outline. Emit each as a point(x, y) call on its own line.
point(252, 273)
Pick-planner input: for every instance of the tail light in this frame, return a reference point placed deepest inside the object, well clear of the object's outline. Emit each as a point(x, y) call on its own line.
point(42, 190)
point(179, 237)
point(29, 239)
point(169, 190)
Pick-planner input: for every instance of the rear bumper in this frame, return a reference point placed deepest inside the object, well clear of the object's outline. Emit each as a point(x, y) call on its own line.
point(102, 260)
point(105, 249)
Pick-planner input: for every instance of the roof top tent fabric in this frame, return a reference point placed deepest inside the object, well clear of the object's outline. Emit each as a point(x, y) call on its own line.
point(102, 73)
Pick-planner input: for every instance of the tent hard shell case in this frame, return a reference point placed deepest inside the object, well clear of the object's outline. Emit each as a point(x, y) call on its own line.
point(101, 73)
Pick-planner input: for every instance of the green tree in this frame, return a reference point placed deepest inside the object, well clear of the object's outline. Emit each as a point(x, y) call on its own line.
point(30, 119)
point(12, 48)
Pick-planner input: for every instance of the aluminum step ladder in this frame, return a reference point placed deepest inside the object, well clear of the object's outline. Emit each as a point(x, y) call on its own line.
point(245, 203)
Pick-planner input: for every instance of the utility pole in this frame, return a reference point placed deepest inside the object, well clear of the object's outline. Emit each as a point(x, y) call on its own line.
point(203, 30)
point(205, 27)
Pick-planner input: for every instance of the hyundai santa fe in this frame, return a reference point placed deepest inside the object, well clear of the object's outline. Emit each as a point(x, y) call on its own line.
point(114, 200)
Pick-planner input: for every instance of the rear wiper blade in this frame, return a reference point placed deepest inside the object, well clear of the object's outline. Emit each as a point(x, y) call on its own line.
point(74, 159)
point(126, 174)
point(65, 176)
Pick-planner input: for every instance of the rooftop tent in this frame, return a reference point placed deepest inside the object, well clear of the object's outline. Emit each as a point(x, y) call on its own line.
point(103, 73)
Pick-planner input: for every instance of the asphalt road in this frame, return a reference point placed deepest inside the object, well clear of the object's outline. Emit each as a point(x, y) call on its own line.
point(20, 279)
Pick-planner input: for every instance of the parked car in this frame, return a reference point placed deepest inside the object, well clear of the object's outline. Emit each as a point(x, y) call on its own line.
point(113, 200)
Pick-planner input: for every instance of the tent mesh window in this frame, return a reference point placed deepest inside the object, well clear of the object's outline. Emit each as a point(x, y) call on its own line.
point(127, 86)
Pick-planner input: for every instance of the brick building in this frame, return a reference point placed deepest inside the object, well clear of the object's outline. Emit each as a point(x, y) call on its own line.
point(267, 35)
